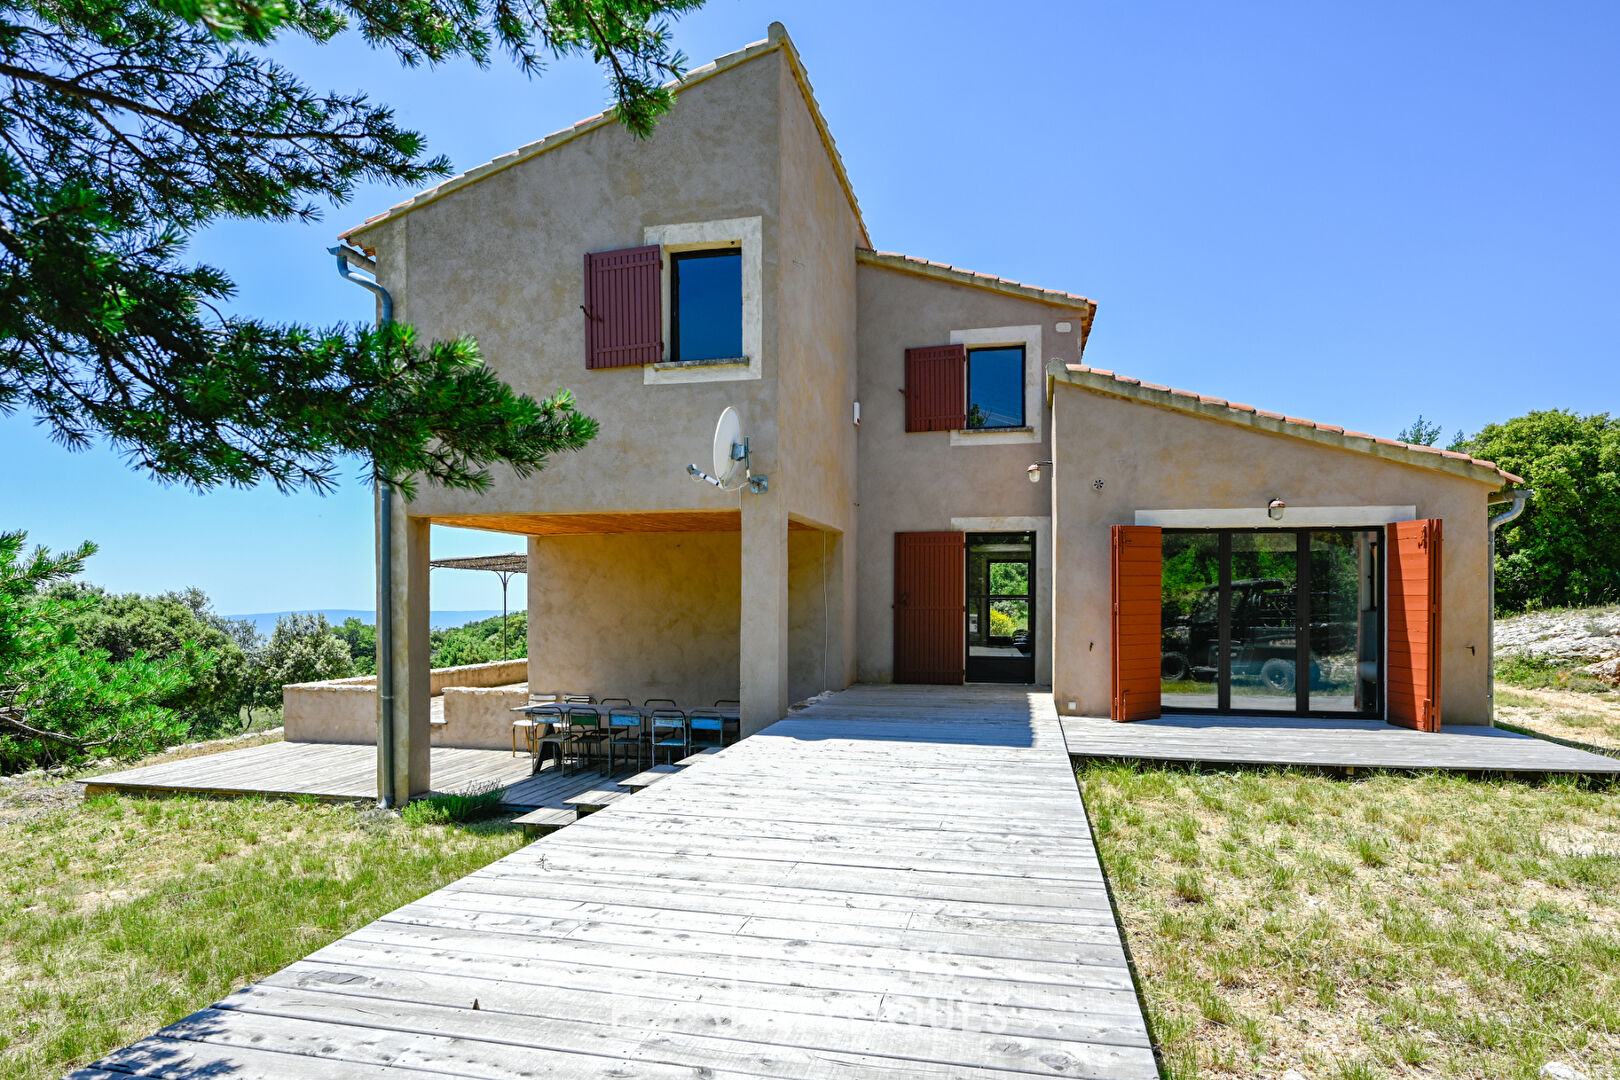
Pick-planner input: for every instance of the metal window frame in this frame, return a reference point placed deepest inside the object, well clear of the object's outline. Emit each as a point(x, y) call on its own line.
point(1302, 612)
point(675, 260)
point(1023, 364)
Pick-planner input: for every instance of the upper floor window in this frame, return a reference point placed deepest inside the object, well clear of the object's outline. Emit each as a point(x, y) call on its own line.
point(995, 379)
point(706, 305)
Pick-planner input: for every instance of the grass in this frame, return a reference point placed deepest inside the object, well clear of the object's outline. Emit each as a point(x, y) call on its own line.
point(119, 915)
point(1583, 717)
point(1388, 927)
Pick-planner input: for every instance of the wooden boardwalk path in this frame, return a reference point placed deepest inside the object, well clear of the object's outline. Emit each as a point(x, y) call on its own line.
point(895, 882)
point(341, 772)
point(1336, 744)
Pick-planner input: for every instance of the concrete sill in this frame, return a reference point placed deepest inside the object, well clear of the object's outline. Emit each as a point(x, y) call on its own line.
point(681, 365)
point(996, 431)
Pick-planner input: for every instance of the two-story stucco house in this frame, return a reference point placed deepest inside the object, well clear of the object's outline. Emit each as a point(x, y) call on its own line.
point(1173, 551)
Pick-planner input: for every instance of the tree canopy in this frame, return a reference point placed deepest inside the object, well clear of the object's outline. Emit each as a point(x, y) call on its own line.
point(125, 125)
point(1565, 549)
point(60, 698)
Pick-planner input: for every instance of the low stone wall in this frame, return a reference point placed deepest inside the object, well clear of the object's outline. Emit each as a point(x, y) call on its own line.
point(345, 710)
point(340, 711)
point(480, 716)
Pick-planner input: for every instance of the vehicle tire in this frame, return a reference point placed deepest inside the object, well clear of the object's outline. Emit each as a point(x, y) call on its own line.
point(1277, 675)
point(1173, 667)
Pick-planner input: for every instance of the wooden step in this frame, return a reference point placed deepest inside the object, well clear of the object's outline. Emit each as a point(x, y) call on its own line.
point(589, 802)
point(649, 778)
point(693, 759)
point(547, 819)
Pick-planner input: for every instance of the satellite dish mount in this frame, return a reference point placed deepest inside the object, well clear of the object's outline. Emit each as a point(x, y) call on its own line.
point(732, 468)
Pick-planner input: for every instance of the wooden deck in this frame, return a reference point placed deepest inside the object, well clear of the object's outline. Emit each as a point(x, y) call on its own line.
point(1333, 744)
point(340, 772)
point(897, 882)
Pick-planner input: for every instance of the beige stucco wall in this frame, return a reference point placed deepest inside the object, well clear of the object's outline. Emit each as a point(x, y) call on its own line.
point(815, 616)
point(1155, 458)
point(345, 710)
point(480, 716)
point(636, 616)
point(926, 481)
point(817, 346)
point(502, 260)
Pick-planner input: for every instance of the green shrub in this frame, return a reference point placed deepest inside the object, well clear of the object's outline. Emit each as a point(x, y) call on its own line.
point(1540, 673)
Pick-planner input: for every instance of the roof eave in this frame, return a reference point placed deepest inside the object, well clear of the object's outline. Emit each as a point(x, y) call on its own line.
point(1219, 409)
point(910, 264)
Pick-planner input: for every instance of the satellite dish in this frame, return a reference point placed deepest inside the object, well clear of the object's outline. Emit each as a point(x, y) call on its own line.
point(731, 458)
point(730, 451)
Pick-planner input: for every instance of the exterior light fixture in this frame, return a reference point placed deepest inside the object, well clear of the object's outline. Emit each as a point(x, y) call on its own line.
point(1034, 471)
point(1275, 508)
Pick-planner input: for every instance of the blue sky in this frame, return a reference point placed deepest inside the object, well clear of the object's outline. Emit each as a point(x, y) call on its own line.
point(1350, 212)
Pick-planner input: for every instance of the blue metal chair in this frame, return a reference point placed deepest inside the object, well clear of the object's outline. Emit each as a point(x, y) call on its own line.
point(624, 734)
point(705, 728)
point(670, 734)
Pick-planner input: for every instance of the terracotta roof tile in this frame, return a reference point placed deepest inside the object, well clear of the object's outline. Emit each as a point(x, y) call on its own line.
point(1295, 421)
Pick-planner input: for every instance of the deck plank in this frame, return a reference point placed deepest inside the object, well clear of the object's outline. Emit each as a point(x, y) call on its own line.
point(1325, 743)
point(895, 882)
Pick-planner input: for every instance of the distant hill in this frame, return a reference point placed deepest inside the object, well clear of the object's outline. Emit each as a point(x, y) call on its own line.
point(265, 621)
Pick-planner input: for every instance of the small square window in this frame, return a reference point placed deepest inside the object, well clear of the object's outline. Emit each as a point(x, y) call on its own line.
point(996, 387)
point(705, 291)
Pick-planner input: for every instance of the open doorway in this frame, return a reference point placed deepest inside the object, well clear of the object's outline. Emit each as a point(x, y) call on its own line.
point(1000, 607)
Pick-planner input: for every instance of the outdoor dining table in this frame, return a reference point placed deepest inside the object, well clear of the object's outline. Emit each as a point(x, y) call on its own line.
point(728, 716)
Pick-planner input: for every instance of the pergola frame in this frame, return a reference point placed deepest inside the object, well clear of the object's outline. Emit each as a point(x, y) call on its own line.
point(504, 566)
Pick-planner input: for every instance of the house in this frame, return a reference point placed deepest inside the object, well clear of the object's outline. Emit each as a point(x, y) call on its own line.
point(1173, 550)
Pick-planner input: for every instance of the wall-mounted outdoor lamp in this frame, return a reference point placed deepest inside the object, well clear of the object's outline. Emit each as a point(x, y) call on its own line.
point(1275, 508)
point(1034, 471)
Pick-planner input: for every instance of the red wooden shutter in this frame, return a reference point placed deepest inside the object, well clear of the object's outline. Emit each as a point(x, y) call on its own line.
point(930, 607)
point(936, 388)
point(1135, 634)
point(1412, 660)
point(623, 307)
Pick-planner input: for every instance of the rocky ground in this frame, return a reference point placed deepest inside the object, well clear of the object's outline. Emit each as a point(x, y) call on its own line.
point(1584, 638)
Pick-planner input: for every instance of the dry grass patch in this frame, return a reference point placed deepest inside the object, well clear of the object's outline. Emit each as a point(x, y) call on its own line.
point(1590, 718)
point(1392, 926)
point(120, 914)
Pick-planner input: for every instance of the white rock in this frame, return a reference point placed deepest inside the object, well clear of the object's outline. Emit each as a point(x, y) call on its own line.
point(1293, 1074)
point(1605, 671)
point(1557, 1070)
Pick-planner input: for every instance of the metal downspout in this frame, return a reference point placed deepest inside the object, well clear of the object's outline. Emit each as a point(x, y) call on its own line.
point(383, 494)
point(1520, 497)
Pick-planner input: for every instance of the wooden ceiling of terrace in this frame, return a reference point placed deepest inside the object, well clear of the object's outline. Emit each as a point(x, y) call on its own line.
point(672, 521)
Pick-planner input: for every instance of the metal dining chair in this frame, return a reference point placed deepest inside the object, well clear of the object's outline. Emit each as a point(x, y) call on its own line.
point(586, 731)
point(529, 723)
point(624, 734)
point(669, 733)
point(705, 728)
point(732, 729)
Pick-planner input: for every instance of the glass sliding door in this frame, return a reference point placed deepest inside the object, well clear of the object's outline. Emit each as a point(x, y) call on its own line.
point(1346, 627)
point(1272, 621)
point(1191, 603)
point(1264, 621)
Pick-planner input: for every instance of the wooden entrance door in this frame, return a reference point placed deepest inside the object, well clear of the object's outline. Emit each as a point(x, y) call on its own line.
point(1412, 665)
point(930, 577)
